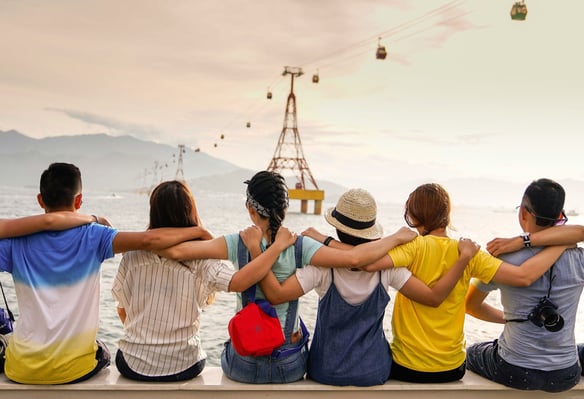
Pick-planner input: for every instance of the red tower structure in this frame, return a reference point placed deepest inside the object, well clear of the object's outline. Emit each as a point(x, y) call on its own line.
point(290, 156)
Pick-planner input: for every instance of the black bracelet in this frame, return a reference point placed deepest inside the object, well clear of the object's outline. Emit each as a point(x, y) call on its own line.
point(327, 241)
point(96, 219)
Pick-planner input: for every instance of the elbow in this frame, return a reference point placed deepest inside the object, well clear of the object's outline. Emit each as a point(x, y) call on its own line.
point(355, 262)
point(524, 281)
point(434, 303)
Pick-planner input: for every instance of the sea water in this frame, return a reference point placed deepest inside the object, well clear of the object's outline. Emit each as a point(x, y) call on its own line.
point(224, 213)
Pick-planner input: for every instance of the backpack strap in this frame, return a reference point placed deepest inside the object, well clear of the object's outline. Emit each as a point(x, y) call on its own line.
point(243, 258)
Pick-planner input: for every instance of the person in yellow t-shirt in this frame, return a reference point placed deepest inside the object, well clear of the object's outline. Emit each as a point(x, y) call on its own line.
point(428, 343)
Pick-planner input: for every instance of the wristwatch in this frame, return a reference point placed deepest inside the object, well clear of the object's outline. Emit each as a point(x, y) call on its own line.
point(526, 239)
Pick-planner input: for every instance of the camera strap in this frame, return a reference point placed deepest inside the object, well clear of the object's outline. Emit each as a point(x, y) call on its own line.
point(550, 271)
point(10, 315)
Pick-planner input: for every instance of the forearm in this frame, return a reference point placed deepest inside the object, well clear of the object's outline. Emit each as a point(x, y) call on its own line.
point(365, 254)
point(558, 235)
point(49, 221)
point(161, 238)
point(487, 312)
point(530, 270)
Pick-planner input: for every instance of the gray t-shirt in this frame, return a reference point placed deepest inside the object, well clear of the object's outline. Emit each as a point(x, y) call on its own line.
point(525, 344)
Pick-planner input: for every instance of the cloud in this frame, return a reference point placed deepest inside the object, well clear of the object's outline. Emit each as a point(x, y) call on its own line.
point(113, 125)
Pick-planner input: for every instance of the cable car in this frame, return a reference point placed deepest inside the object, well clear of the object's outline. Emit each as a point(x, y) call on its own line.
point(315, 77)
point(215, 145)
point(519, 11)
point(381, 52)
point(248, 124)
point(269, 95)
point(222, 136)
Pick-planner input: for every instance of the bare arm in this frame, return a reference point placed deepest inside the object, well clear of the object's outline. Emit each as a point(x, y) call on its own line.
point(418, 291)
point(162, 238)
point(530, 270)
point(62, 220)
point(362, 254)
point(557, 235)
point(121, 314)
point(477, 307)
point(277, 292)
point(318, 236)
point(255, 270)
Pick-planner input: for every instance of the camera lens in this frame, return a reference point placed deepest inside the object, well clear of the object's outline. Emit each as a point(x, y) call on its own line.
point(546, 315)
point(552, 321)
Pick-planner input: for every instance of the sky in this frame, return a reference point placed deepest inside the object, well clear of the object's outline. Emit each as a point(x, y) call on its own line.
point(465, 92)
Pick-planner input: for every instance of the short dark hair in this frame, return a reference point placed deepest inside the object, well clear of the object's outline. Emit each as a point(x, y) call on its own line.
point(172, 205)
point(546, 198)
point(59, 185)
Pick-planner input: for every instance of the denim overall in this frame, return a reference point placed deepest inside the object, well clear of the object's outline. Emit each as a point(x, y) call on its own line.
point(288, 362)
point(349, 346)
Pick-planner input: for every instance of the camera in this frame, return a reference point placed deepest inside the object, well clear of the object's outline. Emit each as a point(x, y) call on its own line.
point(545, 315)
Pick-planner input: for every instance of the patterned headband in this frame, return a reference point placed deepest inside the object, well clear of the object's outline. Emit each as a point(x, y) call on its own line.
point(257, 206)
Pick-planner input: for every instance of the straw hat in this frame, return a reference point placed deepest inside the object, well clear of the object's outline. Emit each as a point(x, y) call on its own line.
point(355, 214)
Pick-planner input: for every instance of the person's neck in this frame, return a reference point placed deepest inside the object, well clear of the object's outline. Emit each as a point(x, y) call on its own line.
point(441, 232)
point(65, 209)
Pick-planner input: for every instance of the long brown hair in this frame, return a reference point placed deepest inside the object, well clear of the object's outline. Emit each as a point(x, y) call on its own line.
point(173, 205)
point(429, 205)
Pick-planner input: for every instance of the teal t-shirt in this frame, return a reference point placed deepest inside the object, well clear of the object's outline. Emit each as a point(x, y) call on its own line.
point(284, 267)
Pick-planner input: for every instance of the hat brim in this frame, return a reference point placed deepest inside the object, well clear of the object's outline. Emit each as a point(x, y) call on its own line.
point(371, 233)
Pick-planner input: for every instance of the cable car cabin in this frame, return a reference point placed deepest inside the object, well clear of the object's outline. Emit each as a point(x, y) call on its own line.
point(519, 11)
point(248, 124)
point(315, 78)
point(269, 95)
point(381, 53)
point(222, 136)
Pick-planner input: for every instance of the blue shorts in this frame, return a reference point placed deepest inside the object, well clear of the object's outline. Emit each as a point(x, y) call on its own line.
point(264, 369)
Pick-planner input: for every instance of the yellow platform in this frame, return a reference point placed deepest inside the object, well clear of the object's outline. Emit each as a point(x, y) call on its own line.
point(307, 195)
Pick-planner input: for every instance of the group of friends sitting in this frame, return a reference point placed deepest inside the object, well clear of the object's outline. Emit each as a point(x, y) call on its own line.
point(171, 271)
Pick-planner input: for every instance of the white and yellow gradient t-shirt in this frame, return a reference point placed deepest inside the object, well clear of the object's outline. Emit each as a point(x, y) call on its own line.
point(57, 282)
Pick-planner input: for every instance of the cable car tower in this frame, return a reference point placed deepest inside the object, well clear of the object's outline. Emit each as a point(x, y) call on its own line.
point(289, 154)
point(180, 174)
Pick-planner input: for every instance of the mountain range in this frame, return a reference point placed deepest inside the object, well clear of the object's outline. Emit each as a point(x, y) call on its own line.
point(119, 163)
point(125, 163)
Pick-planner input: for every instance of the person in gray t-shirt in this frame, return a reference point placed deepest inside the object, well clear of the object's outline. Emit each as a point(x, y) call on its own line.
point(537, 349)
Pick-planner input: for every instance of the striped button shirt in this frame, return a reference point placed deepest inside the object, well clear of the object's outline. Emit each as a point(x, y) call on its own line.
point(163, 301)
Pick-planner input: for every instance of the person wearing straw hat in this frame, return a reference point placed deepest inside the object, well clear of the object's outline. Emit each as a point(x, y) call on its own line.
point(349, 345)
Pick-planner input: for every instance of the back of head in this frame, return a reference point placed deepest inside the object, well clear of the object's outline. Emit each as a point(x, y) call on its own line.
point(545, 199)
point(354, 217)
point(267, 193)
point(172, 205)
point(429, 205)
point(59, 185)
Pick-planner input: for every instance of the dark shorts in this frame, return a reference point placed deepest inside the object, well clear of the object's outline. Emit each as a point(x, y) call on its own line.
point(402, 373)
point(184, 375)
point(483, 358)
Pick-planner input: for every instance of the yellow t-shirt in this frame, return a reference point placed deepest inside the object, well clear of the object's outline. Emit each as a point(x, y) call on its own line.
point(431, 339)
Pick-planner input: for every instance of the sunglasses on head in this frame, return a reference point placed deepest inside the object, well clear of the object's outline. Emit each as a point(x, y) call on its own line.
point(557, 221)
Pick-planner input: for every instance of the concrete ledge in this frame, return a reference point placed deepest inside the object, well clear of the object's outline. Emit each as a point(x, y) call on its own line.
point(213, 384)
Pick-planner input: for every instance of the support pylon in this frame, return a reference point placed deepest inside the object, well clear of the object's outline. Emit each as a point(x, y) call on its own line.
point(289, 154)
point(180, 174)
